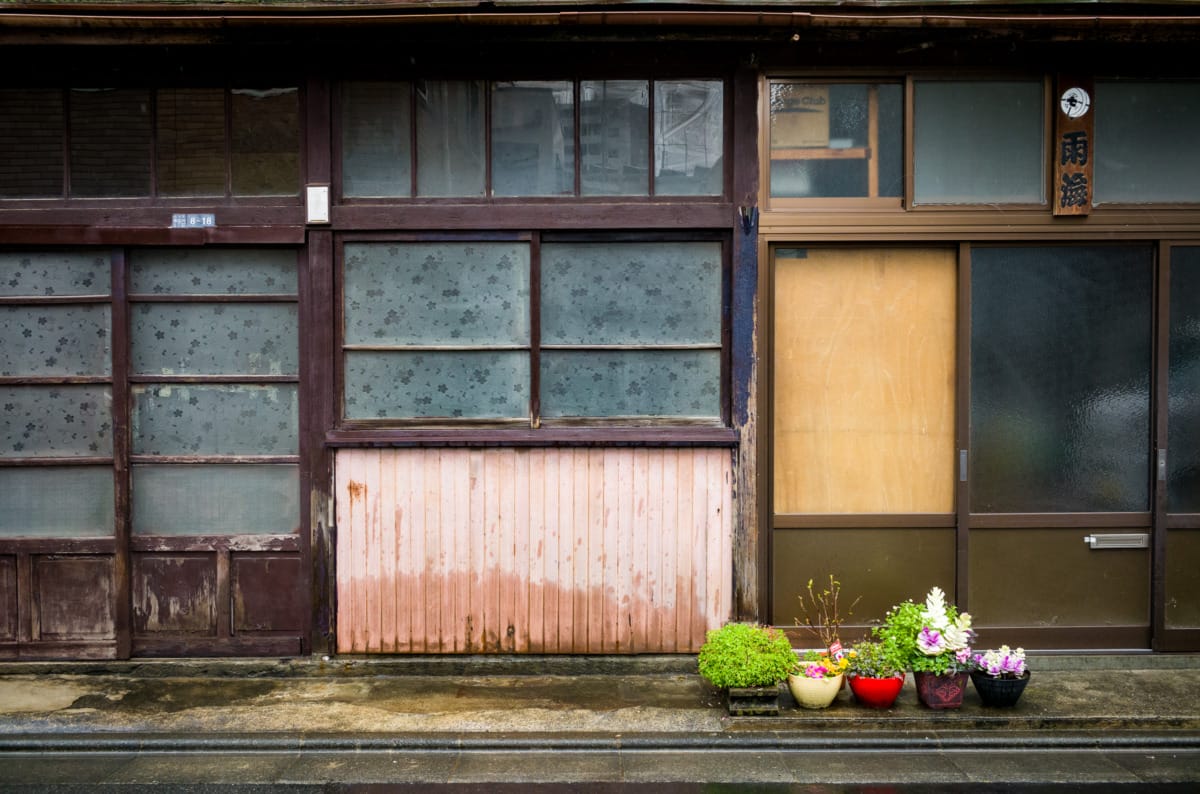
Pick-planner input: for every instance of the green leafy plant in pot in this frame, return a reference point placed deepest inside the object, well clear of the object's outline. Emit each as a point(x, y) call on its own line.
point(748, 661)
point(876, 673)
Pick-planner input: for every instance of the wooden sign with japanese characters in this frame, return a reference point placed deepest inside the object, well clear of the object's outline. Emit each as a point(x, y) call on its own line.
point(1073, 157)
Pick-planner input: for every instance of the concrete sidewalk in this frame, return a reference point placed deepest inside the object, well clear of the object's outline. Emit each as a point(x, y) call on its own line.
point(1086, 720)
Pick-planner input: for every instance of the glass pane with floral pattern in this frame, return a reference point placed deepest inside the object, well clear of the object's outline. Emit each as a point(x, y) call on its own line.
point(212, 271)
point(460, 293)
point(533, 138)
point(56, 502)
point(631, 293)
point(689, 138)
point(244, 499)
point(214, 339)
point(237, 419)
point(54, 273)
point(55, 421)
point(634, 383)
point(435, 385)
point(55, 340)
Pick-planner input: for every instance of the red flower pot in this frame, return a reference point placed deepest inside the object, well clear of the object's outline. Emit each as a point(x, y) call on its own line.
point(941, 691)
point(876, 693)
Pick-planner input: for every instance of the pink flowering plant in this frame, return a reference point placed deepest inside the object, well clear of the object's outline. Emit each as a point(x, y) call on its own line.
point(814, 664)
point(1002, 662)
point(934, 637)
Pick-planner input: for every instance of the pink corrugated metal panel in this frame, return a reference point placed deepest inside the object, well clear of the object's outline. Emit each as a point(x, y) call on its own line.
point(538, 551)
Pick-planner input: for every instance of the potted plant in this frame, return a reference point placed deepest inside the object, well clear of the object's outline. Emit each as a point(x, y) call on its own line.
point(876, 673)
point(1000, 676)
point(748, 661)
point(817, 679)
point(935, 639)
point(821, 615)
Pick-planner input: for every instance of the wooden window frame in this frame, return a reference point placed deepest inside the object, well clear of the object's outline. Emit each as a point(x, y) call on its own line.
point(531, 430)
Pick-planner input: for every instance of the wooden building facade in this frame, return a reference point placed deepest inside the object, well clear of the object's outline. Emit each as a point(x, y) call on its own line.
point(514, 327)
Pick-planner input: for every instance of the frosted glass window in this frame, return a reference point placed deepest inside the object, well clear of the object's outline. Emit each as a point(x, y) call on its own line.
point(614, 145)
point(216, 499)
point(450, 138)
point(110, 142)
point(836, 140)
point(31, 143)
point(1183, 418)
point(191, 419)
point(533, 139)
point(215, 339)
point(58, 501)
point(1060, 379)
point(212, 271)
point(265, 142)
point(467, 384)
point(190, 143)
point(979, 142)
point(689, 138)
point(1146, 142)
point(461, 293)
point(53, 273)
point(55, 421)
point(376, 139)
point(634, 383)
point(55, 340)
point(631, 293)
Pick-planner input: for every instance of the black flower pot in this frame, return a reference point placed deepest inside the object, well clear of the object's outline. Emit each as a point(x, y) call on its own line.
point(999, 692)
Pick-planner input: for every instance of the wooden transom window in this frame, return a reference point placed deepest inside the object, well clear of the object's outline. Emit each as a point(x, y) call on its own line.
point(535, 328)
point(476, 138)
point(87, 143)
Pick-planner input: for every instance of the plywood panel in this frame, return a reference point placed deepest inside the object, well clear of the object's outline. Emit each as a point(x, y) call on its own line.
point(175, 594)
point(538, 551)
point(266, 593)
point(864, 381)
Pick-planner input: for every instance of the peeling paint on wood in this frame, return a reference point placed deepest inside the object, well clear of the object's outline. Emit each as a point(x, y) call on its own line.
point(532, 550)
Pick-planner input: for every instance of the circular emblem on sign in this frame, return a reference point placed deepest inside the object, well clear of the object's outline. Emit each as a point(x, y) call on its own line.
point(1075, 102)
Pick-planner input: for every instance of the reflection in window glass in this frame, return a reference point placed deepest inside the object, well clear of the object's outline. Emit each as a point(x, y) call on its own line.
point(110, 142)
point(190, 143)
point(533, 139)
point(31, 143)
point(836, 140)
point(614, 137)
point(266, 142)
point(1146, 142)
point(450, 138)
point(376, 139)
point(1183, 421)
point(689, 138)
point(1060, 379)
point(978, 142)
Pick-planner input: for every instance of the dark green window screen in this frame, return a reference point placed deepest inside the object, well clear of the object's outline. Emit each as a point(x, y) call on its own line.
point(1183, 421)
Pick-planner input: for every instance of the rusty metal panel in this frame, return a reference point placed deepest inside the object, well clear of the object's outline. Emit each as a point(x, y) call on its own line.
point(266, 592)
point(8, 597)
point(532, 550)
point(174, 594)
point(74, 598)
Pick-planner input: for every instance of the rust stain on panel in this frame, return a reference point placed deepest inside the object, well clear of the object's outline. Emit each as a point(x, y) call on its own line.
point(538, 551)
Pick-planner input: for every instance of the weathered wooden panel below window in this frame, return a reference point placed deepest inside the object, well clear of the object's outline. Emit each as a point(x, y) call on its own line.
point(532, 550)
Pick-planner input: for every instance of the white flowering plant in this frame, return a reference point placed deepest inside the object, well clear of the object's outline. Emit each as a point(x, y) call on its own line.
point(1002, 662)
point(935, 637)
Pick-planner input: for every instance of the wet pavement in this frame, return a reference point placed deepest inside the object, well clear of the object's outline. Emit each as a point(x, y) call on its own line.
point(600, 724)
